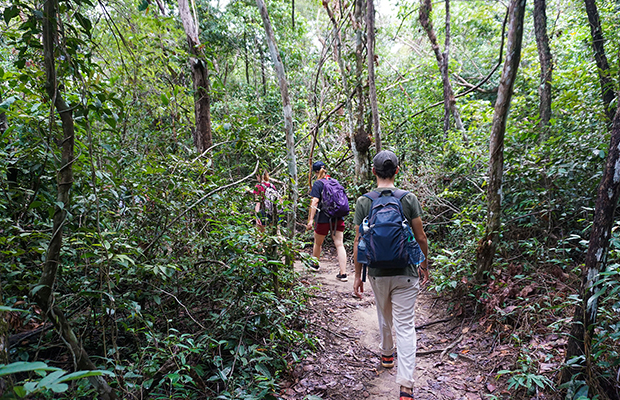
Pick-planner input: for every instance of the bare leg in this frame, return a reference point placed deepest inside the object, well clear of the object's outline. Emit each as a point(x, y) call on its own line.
point(340, 250)
point(318, 244)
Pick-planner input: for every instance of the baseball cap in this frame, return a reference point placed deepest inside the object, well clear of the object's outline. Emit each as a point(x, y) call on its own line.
point(317, 166)
point(385, 160)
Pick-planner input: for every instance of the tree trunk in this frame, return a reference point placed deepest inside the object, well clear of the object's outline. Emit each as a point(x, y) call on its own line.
point(345, 85)
point(596, 258)
point(3, 122)
point(44, 293)
point(372, 87)
point(287, 112)
point(546, 63)
point(426, 9)
point(200, 77)
point(263, 74)
point(598, 44)
point(246, 59)
point(361, 138)
point(487, 245)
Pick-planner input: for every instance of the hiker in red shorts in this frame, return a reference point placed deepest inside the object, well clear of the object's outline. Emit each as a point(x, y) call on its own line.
point(324, 223)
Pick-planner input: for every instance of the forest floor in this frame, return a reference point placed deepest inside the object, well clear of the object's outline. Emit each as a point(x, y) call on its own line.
point(457, 358)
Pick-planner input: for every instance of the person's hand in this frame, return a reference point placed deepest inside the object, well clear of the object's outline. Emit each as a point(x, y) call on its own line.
point(358, 286)
point(423, 269)
point(309, 226)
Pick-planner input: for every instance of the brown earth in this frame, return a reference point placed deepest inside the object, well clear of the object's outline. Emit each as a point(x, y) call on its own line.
point(457, 358)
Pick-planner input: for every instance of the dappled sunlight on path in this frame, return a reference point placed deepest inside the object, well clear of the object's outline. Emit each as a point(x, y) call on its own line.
point(346, 364)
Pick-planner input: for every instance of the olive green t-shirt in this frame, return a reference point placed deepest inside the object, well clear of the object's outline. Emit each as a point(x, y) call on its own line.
point(411, 209)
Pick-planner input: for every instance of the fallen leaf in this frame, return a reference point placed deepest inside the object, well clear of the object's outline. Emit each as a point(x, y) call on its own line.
point(491, 387)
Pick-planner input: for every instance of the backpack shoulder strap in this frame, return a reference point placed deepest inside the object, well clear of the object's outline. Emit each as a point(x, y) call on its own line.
point(372, 195)
point(399, 193)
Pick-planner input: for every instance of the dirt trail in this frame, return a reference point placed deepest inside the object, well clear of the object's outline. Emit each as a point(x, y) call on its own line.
point(346, 364)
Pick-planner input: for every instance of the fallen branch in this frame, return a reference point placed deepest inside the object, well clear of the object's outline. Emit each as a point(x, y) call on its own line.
point(451, 346)
point(426, 325)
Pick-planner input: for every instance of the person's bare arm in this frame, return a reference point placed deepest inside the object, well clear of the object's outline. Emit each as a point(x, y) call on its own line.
point(314, 203)
point(358, 285)
point(420, 237)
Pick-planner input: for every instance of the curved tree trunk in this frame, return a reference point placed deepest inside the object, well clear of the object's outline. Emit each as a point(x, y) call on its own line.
point(287, 111)
point(426, 9)
point(372, 87)
point(606, 202)
point(487, 245)
point(598, 44)
point(546, 63)
point(200, 77)
point(596, 258)
point(44, 293)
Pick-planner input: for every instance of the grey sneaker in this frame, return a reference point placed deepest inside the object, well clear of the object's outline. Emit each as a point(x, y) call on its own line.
point(342, 277)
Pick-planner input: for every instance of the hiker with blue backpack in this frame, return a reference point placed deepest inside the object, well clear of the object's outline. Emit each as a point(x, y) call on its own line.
point(391, 247)
point(330, 205)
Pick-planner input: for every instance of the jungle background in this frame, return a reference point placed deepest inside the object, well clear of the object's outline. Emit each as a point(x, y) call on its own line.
point(132, 132)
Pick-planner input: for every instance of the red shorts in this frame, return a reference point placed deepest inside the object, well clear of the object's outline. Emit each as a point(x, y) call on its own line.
point(323, 228)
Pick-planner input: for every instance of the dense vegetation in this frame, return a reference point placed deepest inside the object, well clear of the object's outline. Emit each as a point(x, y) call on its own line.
point(162, 275)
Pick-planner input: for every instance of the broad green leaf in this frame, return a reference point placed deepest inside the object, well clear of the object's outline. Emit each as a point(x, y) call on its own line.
point(51, 378)
point(10, 13)
point(4, 106)
point(59, 387)
point(5, 308)
point(20, 391)
point(24, 366)
point(84, 374)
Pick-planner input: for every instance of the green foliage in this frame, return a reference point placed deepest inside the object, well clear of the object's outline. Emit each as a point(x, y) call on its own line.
point(169, 267)
point(55, 381)
point(524, 379)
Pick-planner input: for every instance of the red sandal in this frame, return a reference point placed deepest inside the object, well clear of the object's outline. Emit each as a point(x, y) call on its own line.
point(405, 396)
point(387, 361)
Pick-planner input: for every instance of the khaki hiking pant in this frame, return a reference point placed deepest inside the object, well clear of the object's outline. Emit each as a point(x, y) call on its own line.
point(395, 297)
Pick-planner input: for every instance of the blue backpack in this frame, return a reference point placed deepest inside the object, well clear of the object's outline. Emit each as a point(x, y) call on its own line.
point(387, 240)
point(334, 201)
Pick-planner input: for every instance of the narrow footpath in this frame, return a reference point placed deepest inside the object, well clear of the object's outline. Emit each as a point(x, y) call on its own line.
point(456, 358)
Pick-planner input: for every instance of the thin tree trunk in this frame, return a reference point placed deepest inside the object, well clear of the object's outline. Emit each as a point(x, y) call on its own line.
point(362, 138)
point(287, 112)
point(372, 87)
point(426, 9)
point(44, 293)
point(487, 245)
point(598, 45)
point(3, 122)
point(546, 63)
point(4, 334)
point(245, 57)
point(345, 85)
point(200, 77)
point(263, 74)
